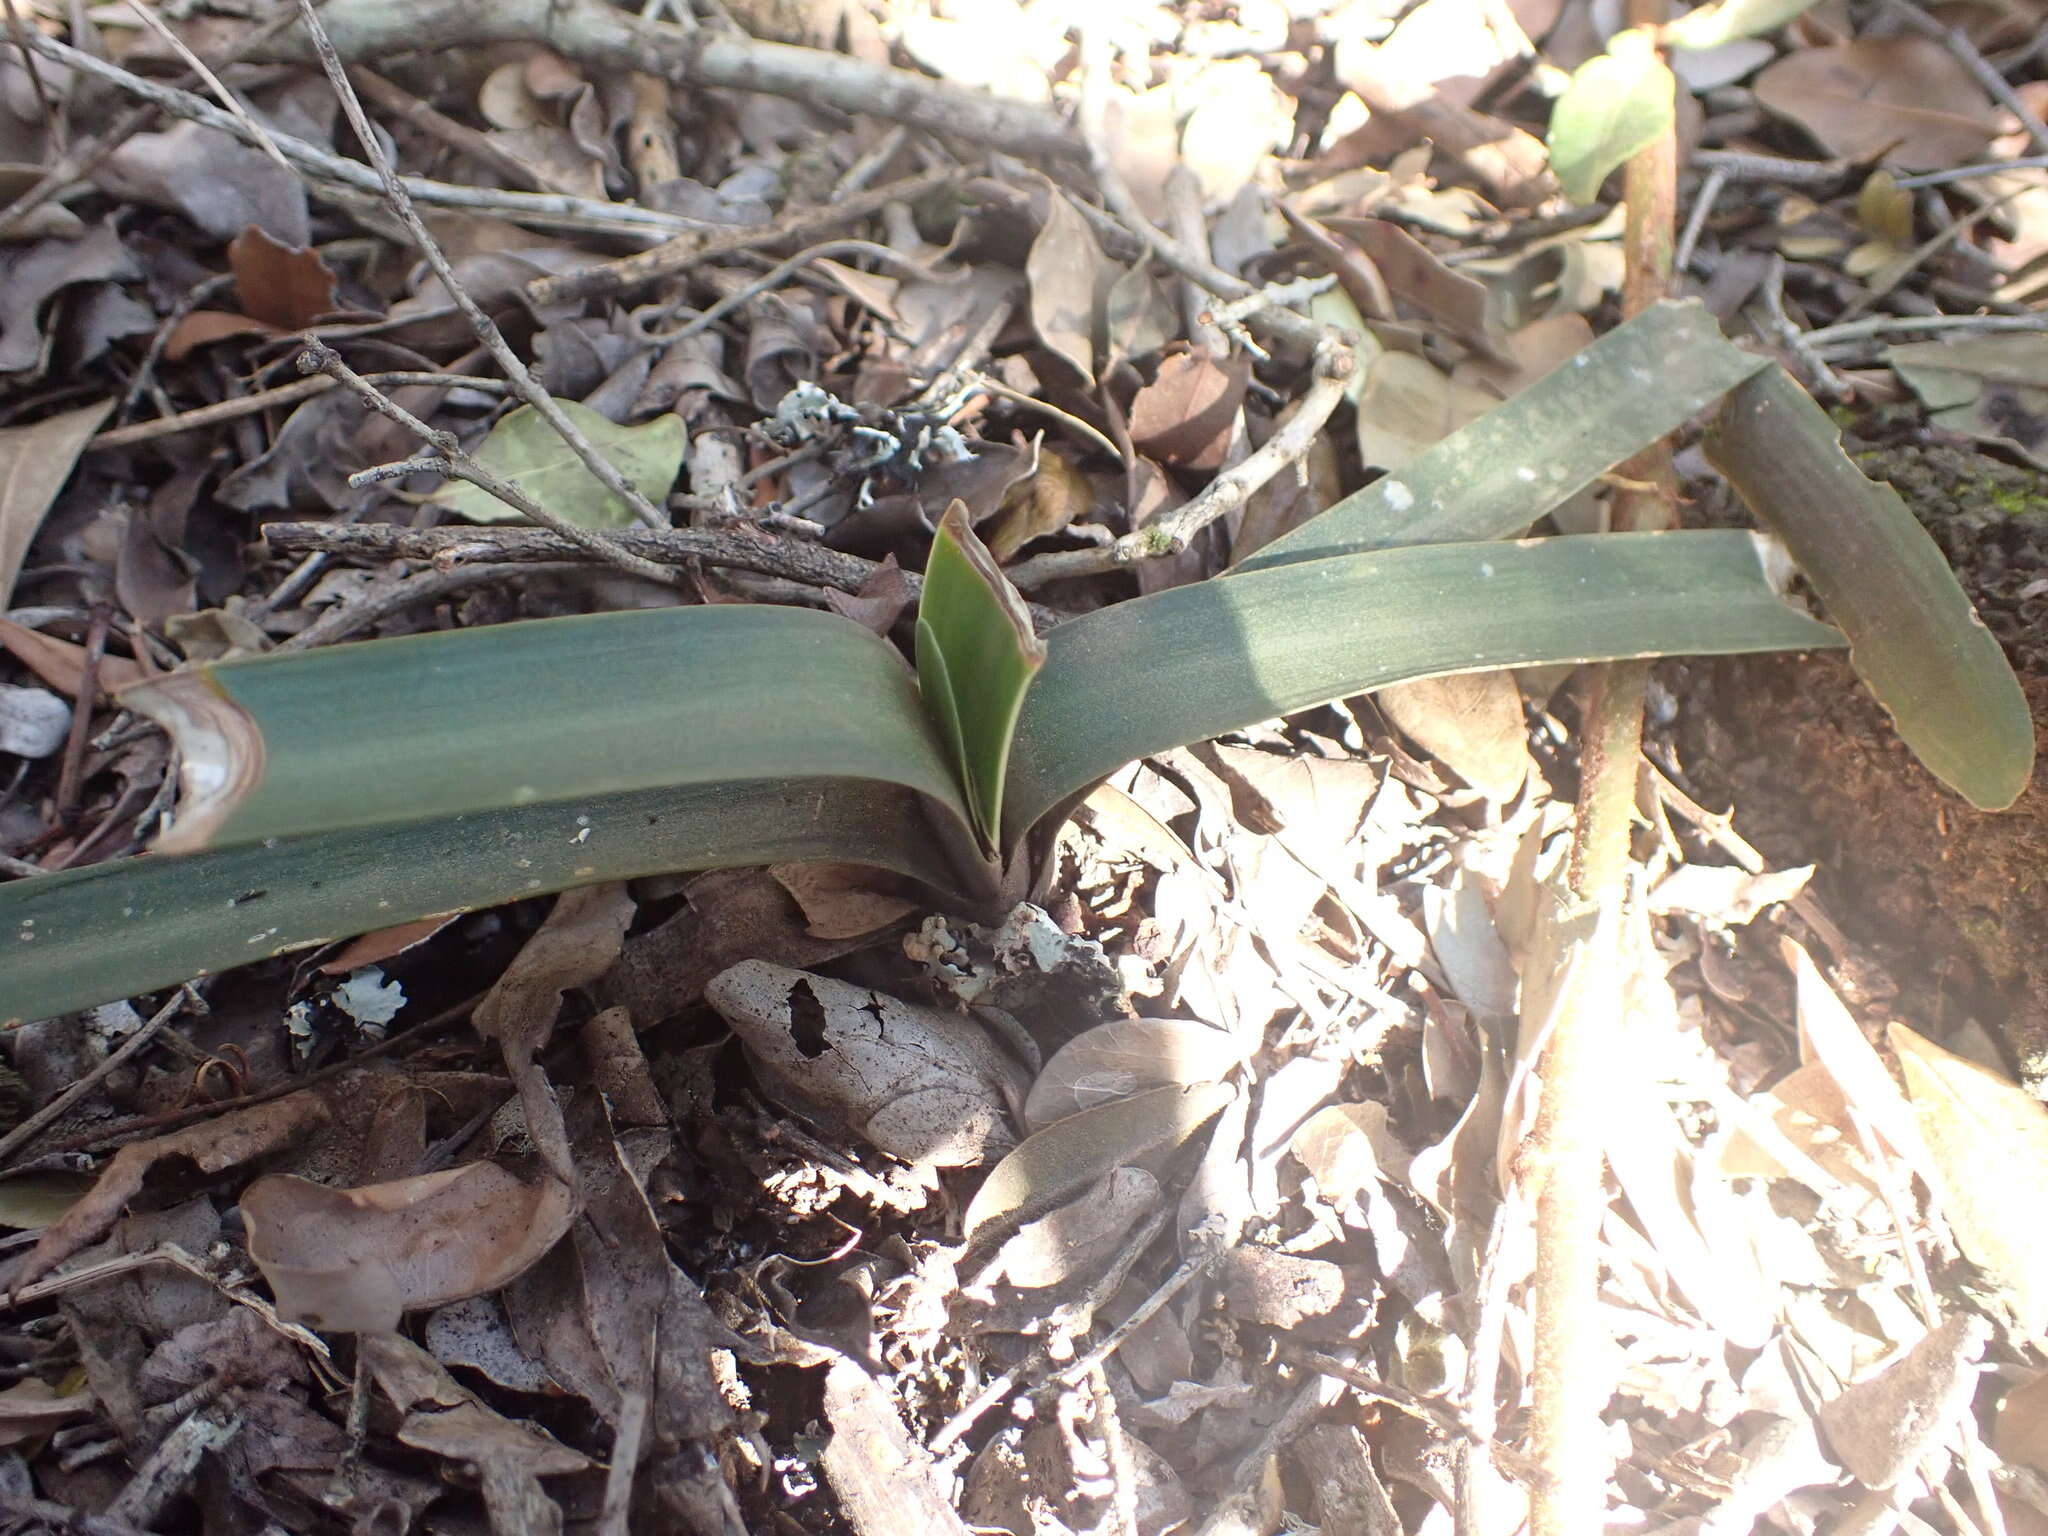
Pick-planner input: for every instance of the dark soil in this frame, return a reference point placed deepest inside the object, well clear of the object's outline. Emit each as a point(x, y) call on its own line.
point(1952, 902)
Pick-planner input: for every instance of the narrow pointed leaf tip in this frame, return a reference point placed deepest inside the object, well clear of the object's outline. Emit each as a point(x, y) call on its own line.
point(976, 656)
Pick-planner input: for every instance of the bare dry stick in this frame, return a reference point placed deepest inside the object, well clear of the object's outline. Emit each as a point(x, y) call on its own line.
point(672, 256)
point(609, 40)
point(454, 461)
point(130, 1048)
point(265, 399)
point(523, 382)
point(544, 210)
point(1568, 1382)
point(400, 593)
point(1116, 192)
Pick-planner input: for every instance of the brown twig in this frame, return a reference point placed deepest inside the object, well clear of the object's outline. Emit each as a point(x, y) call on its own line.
point(1565, 1155)
point(400, 593)
point(460, 137)
point(129, 1049)
point(608, 40)
point(266, 399)
point(523, 382)
point(626, 273)
point(546, 210)
point(456, 462)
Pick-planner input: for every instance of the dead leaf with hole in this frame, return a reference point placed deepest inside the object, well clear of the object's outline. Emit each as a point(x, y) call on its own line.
point(1990, 388)
point(1905, 99)
point(1187, 414)
point(921, 1084)
point(356, 1260)
point(35, 462)
point(1989, 1138)
point(1069, 279)
point(287, 286)
point(1128, 1056)
point(211, 1146)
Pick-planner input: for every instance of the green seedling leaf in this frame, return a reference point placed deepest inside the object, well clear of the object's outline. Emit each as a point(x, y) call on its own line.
point(1054, 1165)
point(1616, 105)
point(1493, 478)
point(1724, 21)
point(1914, 639)
point(526, 450)
point(976, 656)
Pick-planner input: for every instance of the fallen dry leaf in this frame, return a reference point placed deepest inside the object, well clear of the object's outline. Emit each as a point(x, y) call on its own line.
point(356, 1260)
point(35, 461)
point(1127, 1056)
point(287, 286)
point(1057, 1163)
point(842, 901)
point(1069, 279)
point(30, 1409)
point(61, 663)
point(1881, 1427)
point(1905, 99)
point(1186, 414)
point(211, 1146)
point(921, 1084)
point(1471, 722)
point(1989, 1138)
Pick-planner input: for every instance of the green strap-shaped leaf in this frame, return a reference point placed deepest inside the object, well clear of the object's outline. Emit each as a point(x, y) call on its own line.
point(1196, 661)
point(976, 656)
point(1914, 639)
point(544, 712)
point(132, 925)
point(1497, 476)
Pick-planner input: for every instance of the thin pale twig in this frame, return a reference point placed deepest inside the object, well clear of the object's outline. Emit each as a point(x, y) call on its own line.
point(129, 1049)
point(523, 382)
point(260, 135)
point(1908, 325)
point(266, 399)
point(547, 210)
point(456, 462)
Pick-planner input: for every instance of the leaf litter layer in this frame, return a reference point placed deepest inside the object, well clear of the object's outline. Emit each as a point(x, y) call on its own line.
point(1240, 1271)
